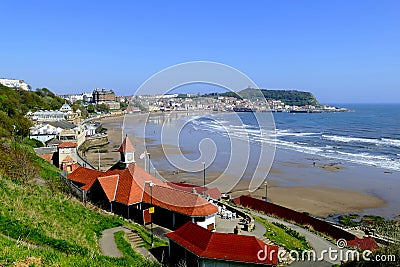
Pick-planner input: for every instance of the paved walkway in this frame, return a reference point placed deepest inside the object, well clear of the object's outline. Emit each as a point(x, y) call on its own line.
point(107, 242)
point(109, 248)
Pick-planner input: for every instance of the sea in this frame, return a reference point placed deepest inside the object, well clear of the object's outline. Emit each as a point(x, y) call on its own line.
point(364, 143)
point(369, 134)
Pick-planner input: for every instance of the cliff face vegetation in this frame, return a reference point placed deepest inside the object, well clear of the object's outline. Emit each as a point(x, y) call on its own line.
point(14, 104)
point(41, 222)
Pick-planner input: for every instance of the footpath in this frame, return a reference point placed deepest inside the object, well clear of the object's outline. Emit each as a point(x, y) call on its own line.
point(109, 248)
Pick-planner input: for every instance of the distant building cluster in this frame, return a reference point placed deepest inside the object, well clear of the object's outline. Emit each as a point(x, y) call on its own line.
point(188, 102)
point(197, 103)
point(64, 113)
point(98, 96)
point(15, 84)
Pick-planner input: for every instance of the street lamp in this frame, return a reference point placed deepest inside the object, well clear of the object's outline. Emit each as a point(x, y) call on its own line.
point(151, 211)
point(204, 177)
point(98, 152)
point(148, 155)
point(266, 191)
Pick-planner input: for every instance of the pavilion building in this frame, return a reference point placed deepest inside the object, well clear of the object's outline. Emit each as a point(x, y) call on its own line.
point(128, 190)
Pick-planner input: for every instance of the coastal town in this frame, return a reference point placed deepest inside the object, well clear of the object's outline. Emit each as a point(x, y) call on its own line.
point(172, 211)
point(200, 134)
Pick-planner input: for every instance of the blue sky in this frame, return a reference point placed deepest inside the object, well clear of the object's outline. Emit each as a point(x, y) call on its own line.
point(342, 51)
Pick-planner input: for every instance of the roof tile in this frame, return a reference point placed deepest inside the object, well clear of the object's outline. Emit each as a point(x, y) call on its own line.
point(179, 201)
point(67, 144)
point(126, 146)
point(229, 247)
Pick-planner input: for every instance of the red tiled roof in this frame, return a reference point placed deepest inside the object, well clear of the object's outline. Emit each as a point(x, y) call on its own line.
point(363, 243)
point(179, 201)
point(131, 184)
point(126, 146)
point(68, 159)
point(131, 187)
point(84, 176)
point(67, 144)
point(228, 247)
point(109, 185)
point(47, 157)
point(212, 192)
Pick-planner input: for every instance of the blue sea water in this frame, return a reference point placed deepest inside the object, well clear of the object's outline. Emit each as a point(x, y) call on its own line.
point(368, 135)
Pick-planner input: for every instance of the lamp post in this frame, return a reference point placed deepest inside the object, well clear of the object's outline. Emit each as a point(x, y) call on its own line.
point(98, 152)
point(266, 191)
point(151, 210)
point(204, 178)
point(148, 155)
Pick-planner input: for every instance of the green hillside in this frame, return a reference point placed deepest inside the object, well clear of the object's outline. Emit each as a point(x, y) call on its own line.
point(289, 97)
point(37, 209)
point(14, 104)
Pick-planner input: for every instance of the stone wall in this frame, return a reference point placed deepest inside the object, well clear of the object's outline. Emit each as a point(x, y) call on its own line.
point(94, 141)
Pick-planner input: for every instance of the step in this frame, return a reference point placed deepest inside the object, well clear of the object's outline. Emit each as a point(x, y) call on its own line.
point(134, 239)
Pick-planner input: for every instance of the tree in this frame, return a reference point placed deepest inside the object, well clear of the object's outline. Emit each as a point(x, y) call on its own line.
point(102, 107)
point(90, 108)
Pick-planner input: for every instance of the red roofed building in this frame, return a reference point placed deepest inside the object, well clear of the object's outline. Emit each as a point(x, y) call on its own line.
point(67, 156)
point(125, 189)
point(192, 245)
point(183, 203)
point(366, 243)
point(211, 192)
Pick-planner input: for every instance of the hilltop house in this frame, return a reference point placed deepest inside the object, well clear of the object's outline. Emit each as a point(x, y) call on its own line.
point(191, 245)
point(128, 190)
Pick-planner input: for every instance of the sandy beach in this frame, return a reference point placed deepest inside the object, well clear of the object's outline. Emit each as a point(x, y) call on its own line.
point(307, 184)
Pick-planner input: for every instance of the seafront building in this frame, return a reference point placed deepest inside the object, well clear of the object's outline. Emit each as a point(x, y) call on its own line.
point(192, 245)
point(130, 191)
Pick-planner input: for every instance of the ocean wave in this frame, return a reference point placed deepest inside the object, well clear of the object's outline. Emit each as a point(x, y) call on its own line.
point(378, 142)
point(253, 134)
point(295, 134)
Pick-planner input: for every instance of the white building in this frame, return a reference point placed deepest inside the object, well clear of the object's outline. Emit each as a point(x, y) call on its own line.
point(44, 132)
point(65, 108)
point(12, 83)
point(46, 115)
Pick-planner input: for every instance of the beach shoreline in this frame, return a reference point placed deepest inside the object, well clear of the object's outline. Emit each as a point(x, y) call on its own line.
point(301, 182)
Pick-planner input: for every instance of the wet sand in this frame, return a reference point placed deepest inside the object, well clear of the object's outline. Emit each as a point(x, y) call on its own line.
point(298, 181)
point(321, 201)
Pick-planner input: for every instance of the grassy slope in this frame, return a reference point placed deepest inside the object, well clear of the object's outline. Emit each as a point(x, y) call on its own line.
point(66, 231)
point(287, 238)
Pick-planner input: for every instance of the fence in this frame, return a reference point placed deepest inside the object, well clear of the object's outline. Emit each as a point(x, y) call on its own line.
point(75, 189)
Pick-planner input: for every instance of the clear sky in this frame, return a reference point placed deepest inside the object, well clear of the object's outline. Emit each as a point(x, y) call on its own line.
point(342, 51)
